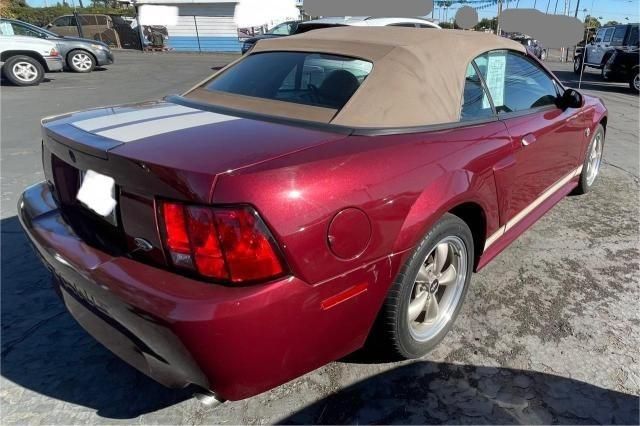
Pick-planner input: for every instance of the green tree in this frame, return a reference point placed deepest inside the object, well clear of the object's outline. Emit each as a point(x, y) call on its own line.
point(486, 24)
point(611, 23)
point(591, 22)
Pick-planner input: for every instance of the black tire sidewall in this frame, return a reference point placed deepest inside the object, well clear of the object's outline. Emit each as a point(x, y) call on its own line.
point(7, 70)
point(77, 52)
point(634, 74)
point(583, 186)
point(406, 345)
point(577, 61)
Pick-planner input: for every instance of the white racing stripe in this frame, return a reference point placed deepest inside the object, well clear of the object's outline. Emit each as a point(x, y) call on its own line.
point(129, 117)
point(146, 129)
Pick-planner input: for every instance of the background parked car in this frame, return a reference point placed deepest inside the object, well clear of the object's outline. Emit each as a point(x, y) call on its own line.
point(79, 54)
point(96, 27)
point(26, 59)
point(532, 46)
point(623, 65)
point(607, 39)
point(299, 27)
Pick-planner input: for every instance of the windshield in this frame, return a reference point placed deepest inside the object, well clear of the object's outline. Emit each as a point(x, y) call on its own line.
point(286, 28)
point(313, 79)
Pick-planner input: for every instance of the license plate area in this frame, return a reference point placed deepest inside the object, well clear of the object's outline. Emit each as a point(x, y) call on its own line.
point(98, 194)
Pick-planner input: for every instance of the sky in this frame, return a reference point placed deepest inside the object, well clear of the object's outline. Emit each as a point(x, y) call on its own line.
point(609, 10)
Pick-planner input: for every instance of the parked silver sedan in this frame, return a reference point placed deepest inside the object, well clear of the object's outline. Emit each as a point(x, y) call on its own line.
point(79, 54)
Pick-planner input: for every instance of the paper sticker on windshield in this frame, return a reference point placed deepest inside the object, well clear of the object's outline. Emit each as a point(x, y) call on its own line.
point(496, 67)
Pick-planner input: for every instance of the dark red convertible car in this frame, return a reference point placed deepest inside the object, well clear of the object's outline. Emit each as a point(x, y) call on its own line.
point(328, 188)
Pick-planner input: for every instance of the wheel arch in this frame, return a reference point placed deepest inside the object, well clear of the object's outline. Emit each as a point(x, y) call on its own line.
point(11, 53)
point(474, 216)
point(469, 196)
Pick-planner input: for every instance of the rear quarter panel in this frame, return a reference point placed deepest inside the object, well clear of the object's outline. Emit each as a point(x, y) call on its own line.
point(404, 183)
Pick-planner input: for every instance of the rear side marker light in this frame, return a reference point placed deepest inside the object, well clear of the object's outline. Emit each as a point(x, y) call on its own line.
point(224, 244)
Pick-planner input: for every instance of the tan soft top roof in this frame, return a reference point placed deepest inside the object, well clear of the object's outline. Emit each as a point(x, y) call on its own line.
point(417, 79)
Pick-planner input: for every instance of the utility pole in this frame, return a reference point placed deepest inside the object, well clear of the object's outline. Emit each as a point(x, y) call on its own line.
point(575, 15)
point(564, 50)
point(498, 30)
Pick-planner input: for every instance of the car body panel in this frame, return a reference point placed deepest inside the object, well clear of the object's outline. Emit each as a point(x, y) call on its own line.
point(622, 65)
point(238, 341)
point(607, 39)
point(41, 48)
point(100, 51)
point(358, 21)
point(242, 340)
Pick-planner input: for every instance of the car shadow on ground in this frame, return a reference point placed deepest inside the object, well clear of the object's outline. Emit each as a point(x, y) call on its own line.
point(45, 351)
point(591, 81)
point(434, 393)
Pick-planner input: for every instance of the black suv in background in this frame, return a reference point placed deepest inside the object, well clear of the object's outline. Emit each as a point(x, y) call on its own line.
point(623, 65)
point(606, 41)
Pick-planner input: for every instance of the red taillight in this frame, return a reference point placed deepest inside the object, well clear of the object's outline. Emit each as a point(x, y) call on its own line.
point(225, 244)
point(54, 52)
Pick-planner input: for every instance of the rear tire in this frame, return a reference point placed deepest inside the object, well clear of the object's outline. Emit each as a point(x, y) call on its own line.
point(427, 280)
point(634, 81)
point(23, 71)
point(577, 64)
point(592, 162)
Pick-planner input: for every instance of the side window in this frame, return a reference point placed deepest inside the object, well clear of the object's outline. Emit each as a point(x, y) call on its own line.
point(633, 37)
point(424, 26)
point(475, 104)
point(515, 82)
point(101, 20)
point(6, 28)
point(63, 21)
point(607, 35)
point(23, 31)
point(618, 36)
point(599, 36)
point(282, 29)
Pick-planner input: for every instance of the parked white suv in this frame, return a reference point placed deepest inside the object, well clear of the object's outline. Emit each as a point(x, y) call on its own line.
point(24, 60)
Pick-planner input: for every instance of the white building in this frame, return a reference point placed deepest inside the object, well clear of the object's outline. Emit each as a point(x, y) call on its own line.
point(211, 25)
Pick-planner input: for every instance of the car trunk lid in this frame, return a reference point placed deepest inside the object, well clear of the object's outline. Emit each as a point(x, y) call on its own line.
point(155, 150)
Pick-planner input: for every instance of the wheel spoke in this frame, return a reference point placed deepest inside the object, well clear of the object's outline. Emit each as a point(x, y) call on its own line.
point(423, 275)
point(417, 305)
point(432, 310)
point(448, 276)
point(440, 256)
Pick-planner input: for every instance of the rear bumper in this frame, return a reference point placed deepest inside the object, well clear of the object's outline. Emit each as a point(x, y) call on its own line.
point(237, 342)
point(54, 63)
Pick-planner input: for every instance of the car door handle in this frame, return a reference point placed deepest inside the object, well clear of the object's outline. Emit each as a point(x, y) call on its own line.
point(528, 139)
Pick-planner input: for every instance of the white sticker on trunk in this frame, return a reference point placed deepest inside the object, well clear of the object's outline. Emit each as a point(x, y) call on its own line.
point(97, 193)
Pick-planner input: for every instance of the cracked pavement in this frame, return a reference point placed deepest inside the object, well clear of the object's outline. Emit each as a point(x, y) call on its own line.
point(550, 330)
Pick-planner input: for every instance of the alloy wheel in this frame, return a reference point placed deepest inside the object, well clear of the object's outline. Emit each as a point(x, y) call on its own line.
point(81, 61)
point(438, 288)
point(595, 159)
point(25, 72)
point(636, 82)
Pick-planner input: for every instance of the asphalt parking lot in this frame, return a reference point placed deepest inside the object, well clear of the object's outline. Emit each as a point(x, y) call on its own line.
point(550, 332)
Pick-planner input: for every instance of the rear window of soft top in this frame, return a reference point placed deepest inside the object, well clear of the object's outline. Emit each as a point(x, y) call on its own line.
point(315, 79)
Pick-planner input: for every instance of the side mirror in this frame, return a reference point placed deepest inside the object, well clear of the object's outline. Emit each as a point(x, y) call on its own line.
point(571, 99)
point(49, 26)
